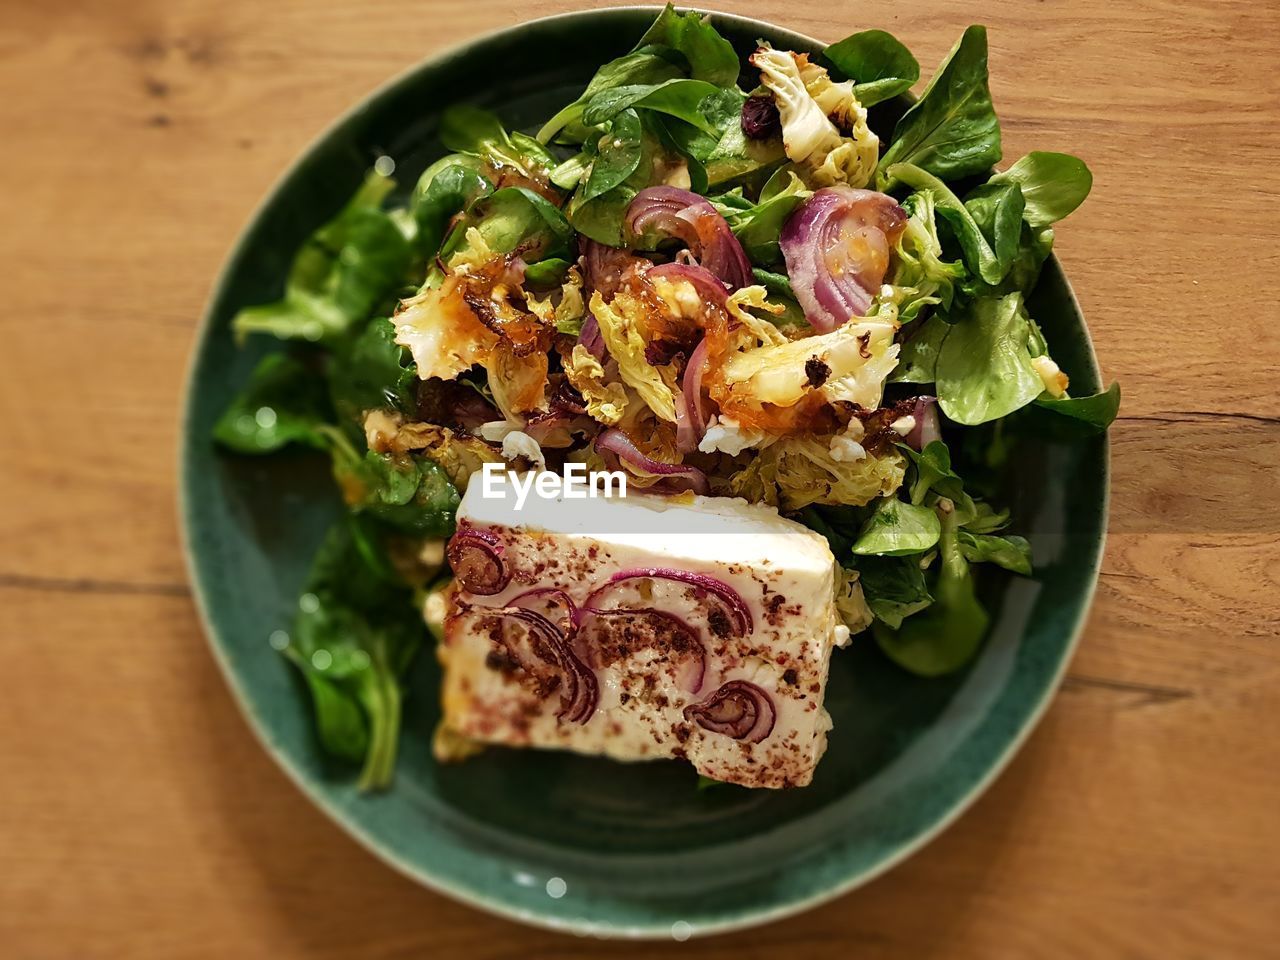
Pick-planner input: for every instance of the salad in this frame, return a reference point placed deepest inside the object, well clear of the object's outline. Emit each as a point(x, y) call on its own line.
point(770, 280)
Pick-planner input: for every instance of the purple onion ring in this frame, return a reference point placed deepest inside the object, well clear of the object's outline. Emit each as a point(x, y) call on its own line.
point(691, 219)
point(739, 709)
point(476, 559)
point(837, 247)
point(675, 476)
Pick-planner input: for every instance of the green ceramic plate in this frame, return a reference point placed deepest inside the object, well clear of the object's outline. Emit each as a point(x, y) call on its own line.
point(570, 842)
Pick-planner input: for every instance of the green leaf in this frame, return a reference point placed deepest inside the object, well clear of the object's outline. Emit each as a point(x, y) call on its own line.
point(944, 637)
point(600, 218)
point(984, 369)
point(343, 273)
point(997, 210)
point(468, 129)
point(759, 225)
point(651, 64)
point(952, 130)
point(620, 151)
point(547, 273)
point(412, 494)
point(375, 373)
point(1094, 413)
point(516, 217)
point(898, 529)
point(978, 252)
point(933, 473)
point(679, 98)
point(354, 637)
point(918, 357)
point(1054, 184)
point(1011, 552)
point(880, 66)
point(444, 191)
point(894, 587)
point(283, 403)
point(710, 56)
point(779, 287)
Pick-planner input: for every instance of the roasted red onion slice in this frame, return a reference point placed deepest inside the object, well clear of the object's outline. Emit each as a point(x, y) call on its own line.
point(691, 219)
point(709, 287)
point(837, 249)
point(675, 477)
point(476, 559)
point(553, 604)
point(606, 636)
point(926, 429)
point(738, 620)
point(739, 709)
point(543, 653)
point(691, 384)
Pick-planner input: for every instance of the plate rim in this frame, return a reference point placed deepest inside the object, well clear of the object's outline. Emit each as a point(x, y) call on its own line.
point(747, 918)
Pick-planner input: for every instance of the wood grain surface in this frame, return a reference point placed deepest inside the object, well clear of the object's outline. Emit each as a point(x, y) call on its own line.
point(138, 817)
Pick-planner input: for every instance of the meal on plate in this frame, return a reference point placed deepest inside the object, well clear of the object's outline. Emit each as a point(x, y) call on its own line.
point(758, 293)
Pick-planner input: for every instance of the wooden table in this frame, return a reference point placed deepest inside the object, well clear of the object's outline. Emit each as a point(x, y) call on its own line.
point(138, 817)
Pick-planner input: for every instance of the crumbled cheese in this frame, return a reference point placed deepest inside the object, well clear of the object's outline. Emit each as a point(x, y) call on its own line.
point(903, 425)
point(724, 434)
point(1055, 381)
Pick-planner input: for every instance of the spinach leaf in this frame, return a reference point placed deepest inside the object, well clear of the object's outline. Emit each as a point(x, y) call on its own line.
point(952, 130)
point(1013, 553)
point(984, 368)
point(283, 403)
point(1094, 414)
point(468, 129)
point(1053, 184)
point(710, 56)
point(919, 352)
point(342, 274)
point(894, 587)
point(620, 151)
point(944, 637)
point(442, 193)
point(601, 217)
point(354, 637)
point(680, 98)
point(978, 252)
point(898, 529)
point(375, 373)
point(878, 64)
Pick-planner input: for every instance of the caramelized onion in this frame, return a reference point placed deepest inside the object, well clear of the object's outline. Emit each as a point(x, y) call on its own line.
point(926, 429)
point(660, 212)
point(739, 709)
point(837, 247)
point(709, 287)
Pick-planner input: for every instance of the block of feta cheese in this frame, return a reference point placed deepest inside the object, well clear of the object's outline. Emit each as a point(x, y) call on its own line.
point(642, 627)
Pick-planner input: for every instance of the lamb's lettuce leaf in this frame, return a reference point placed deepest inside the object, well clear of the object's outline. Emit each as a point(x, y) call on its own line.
point(952, 130)
point(710, 57)
point(344, 272)
point(984, 368)
point(944, 637)
point(282, 403)
point(878, 64)
point(898, 529)
point(1053, 185)
point(446, 189)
